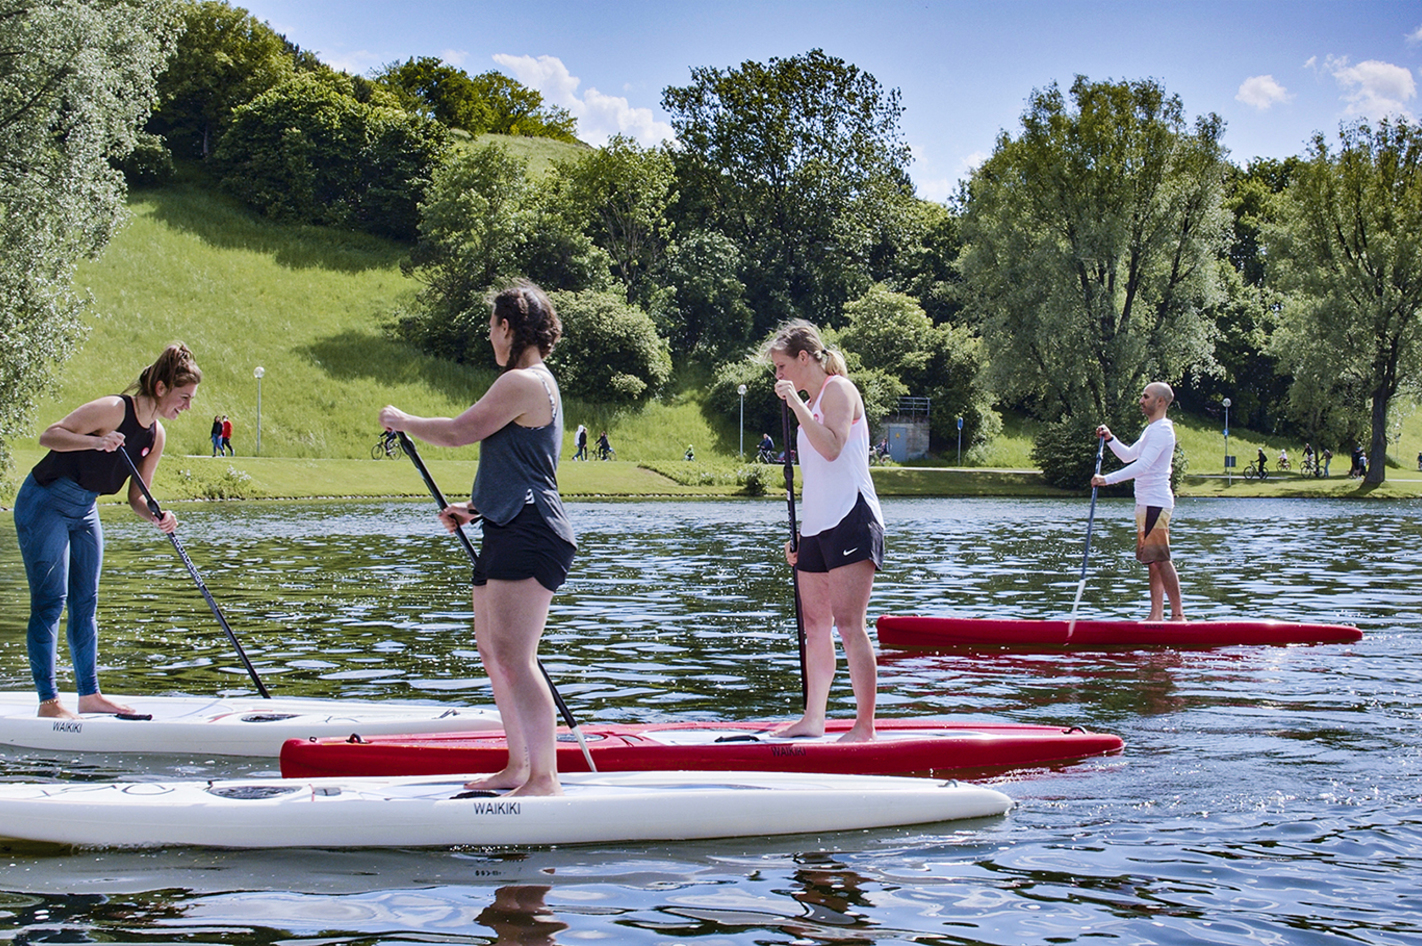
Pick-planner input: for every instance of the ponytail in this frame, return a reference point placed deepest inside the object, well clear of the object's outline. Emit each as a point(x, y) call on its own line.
point(798, 335)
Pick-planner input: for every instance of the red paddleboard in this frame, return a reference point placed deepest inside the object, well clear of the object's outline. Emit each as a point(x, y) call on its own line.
point(903, 746)
point(896, 630)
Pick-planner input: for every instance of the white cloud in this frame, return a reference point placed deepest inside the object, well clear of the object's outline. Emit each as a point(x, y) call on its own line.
point(599, 116)
point(1414, 37)
point(1373, 89)
point(1262, 92)
point(455, 57)
point(937, 189)
point(358, 62)
point(973, 161)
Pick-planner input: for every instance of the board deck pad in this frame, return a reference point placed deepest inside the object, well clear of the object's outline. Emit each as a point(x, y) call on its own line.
point(917, 746)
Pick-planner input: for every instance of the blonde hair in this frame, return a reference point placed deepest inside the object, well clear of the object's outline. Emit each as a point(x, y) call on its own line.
point(796, 336)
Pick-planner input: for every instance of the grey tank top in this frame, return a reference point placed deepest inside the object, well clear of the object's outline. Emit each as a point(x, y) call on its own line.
point(519, 465)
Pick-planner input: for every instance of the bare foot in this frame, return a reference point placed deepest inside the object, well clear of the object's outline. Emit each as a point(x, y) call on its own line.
point(1178, 617)
point(547, 785)
point(859, 734)
point(98, 703)
point(805, 727)
point(53, 709)
point(499, 781)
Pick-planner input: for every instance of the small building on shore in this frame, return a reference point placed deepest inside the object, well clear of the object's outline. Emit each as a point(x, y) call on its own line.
point(907, 429)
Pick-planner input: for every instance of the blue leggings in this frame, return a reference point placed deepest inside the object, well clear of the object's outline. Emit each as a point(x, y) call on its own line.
point(62, 543)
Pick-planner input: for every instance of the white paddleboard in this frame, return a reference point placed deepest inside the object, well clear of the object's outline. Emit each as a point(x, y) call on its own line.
point(236, 726)
point(426, 811)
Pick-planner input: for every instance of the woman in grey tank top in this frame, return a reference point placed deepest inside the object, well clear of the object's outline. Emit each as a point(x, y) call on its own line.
point(528, 542)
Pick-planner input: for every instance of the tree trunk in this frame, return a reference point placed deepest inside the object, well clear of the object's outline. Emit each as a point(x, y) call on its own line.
point(1377, 451)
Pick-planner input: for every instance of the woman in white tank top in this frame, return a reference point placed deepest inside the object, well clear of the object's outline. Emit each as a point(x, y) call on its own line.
point(842, 528)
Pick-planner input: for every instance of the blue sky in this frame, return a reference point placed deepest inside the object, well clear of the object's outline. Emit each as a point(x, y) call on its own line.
point(1275, 70)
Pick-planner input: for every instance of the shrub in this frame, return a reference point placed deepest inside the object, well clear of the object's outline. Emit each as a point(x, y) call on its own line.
point(610, 351)
point(1066, 452)
point(309, 152)
point(149, 164)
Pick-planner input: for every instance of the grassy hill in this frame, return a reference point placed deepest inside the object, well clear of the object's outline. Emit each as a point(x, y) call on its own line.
point(307, 304)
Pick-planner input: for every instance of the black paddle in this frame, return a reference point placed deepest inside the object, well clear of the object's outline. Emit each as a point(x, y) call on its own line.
point(192, 570)
point(794, 547)
point(414, 455)
point(1090, 519)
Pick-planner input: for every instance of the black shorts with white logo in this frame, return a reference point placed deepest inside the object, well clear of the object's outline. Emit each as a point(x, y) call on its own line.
point(858, 537)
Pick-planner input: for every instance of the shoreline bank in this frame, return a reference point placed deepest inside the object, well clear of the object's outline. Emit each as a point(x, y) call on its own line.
point(200, 478)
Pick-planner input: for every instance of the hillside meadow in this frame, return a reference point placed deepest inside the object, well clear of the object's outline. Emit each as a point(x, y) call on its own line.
point(311, 306)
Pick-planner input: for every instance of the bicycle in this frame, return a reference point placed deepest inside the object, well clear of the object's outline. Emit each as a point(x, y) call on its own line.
point(387, 447)
point(1310, 467)
point(765, 456)
point(606, 453)
point(1255, 472)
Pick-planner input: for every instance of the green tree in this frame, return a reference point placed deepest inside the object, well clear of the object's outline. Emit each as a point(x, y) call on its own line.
point(225, 58)
point(1090, 247)
point(307, 151)
point(890, 332)
point(77, 80)
point(489, 102)
point(621, 192)
point(1245, 318)
point(705, 310)
point(515, 109)
point(919, 258)
point(485, 222)
point(800, 163)
point(1347, 250)
point(610, 352)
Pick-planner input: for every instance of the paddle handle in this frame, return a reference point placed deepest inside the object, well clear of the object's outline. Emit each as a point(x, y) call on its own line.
point(795, 547)
point(157, 512)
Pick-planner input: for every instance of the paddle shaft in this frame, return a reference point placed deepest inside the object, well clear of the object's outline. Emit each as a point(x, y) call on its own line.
point(794, 547)
point(1086, 552)
point(567, 714)
point(192, 570)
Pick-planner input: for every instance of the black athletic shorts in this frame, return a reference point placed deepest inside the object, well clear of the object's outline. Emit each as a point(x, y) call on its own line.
point(858, 537)
point(525, 548)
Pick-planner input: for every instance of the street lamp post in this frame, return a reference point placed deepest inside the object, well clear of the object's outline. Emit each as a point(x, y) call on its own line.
point(960, 441)
point(1229, 468)
point(741, 390)
point(257, 373)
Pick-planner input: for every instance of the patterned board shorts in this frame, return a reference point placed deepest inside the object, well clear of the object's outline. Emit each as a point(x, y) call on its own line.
point(1152, 534)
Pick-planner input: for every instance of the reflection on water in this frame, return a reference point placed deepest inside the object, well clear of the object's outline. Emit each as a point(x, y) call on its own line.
point(1266, 794)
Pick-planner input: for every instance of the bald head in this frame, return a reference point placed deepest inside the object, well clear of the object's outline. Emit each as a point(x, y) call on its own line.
point(1155, 400)
point(1161, 390)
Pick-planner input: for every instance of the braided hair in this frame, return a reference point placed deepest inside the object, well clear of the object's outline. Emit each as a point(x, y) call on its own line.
point(531, 317)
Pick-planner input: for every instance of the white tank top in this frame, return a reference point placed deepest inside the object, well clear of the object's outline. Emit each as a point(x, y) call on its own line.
point(832, 487)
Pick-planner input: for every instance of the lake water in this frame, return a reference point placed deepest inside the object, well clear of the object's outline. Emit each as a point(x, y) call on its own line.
point(1266, 795)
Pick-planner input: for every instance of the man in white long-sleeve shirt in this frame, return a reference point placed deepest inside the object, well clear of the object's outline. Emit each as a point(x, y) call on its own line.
point(1148, 463)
